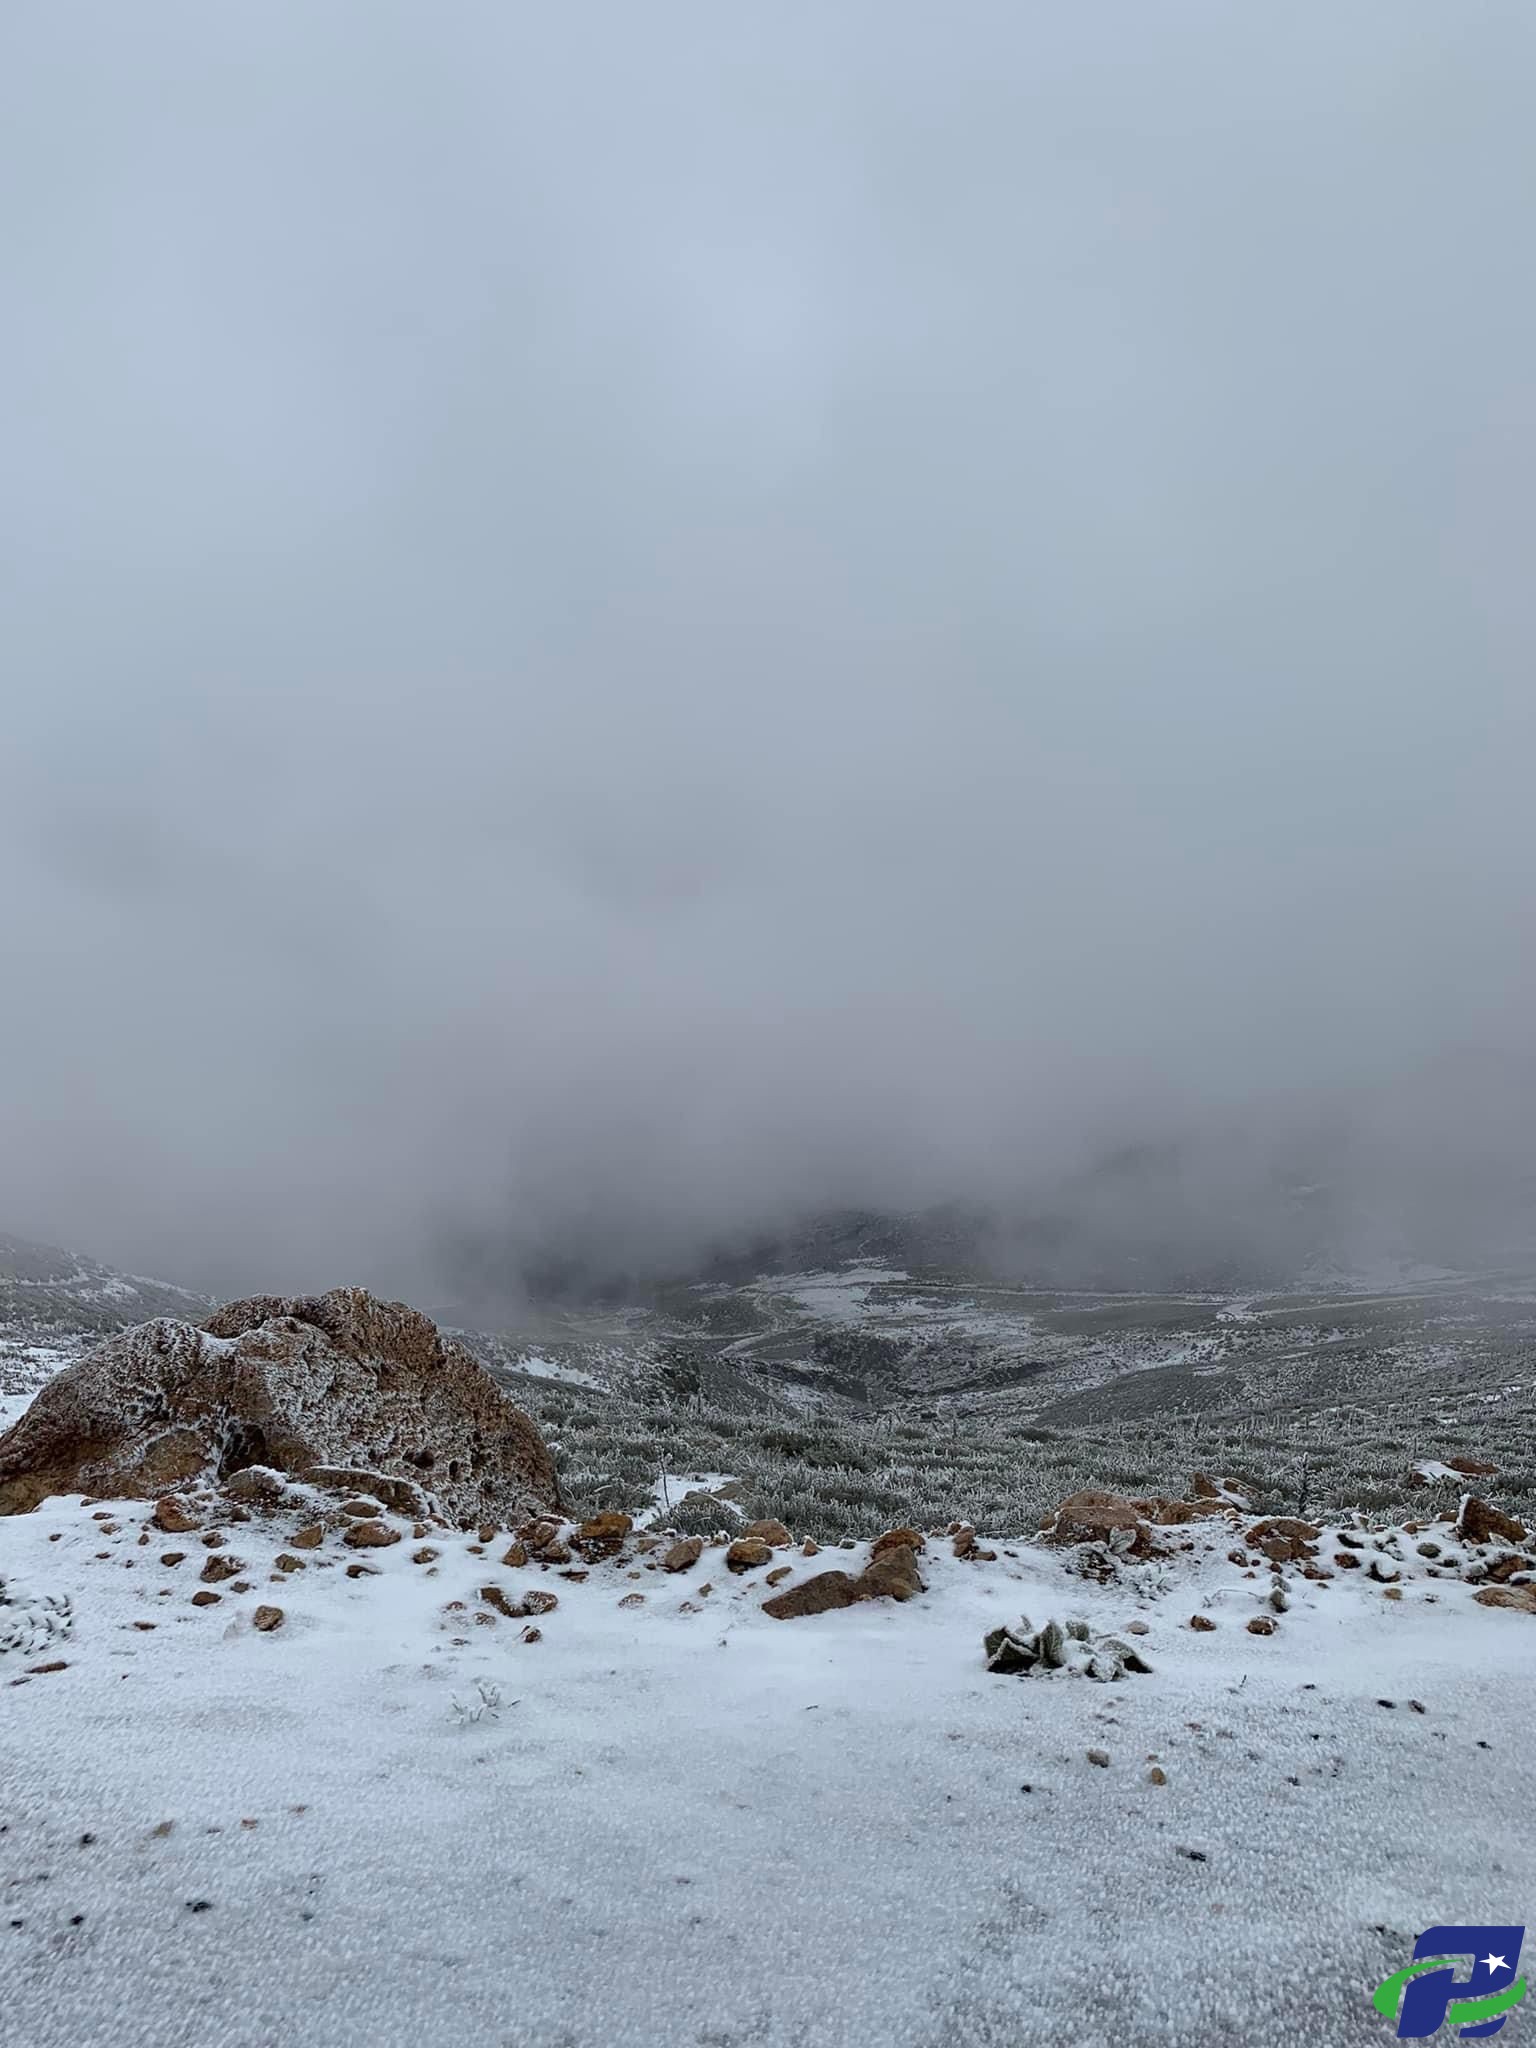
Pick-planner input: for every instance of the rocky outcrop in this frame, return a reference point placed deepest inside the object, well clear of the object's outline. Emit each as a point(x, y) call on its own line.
point(316, 1387)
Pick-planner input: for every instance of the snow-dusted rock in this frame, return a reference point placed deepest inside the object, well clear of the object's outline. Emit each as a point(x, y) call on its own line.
point(337, 1383)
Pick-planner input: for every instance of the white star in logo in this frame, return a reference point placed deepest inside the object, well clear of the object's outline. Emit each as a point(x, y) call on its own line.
point(1496, 1962)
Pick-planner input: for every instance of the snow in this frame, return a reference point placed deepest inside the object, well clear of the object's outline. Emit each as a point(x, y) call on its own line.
point(715, 1830)
point(837, 1296)
point(551, 1369)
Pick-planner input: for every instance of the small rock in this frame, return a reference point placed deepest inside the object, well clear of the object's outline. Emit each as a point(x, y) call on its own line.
point(683, 1554)
point(309, 1538)
point(426, 1555)
point(1521, 1598)
point(773, 1533)
point(361, 1571)
point(780, 1571)
point(1099, 1757)
point(747, 1553)
point(1203, 1622)
point(172, 1556)
point(265, 1619)
point(1157, 1775)
point(221, 1566)
point(1480, 1523)
point(891, 1576)
point(810, 1549)
point(371, 1535)
point(206, 1599)
point(516, 1554)
point(172, 1514)
point(819, 1594)
point(633, 1600)
point(285, 1561)
point(603, 1535)
point(1262, 1625)
point(897, 1539)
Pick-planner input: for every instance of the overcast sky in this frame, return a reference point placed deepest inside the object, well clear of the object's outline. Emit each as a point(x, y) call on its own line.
point(647, 612)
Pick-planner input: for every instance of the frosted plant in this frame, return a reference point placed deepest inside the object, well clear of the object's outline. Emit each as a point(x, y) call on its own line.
point(485, 1705)
point(29, 1622)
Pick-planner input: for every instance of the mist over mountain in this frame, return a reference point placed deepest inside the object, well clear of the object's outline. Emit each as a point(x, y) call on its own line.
point(616, 641)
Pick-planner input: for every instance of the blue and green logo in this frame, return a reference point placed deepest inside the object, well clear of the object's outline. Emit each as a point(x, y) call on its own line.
point(1429, 1995)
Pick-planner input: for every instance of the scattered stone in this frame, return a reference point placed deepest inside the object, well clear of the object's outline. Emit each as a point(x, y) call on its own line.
point(1383, 1573)
point(1479, 1523)
point(531, 1635)
point(773, 1533)
point(361, 1510)
point(965, 1543)
point(633, 1600)
point(220, 1566)
point(258, 1484)
point(809, 1548)
point(173, 1557)
point(516, 1554)
point(359, 1571)
point(1093, 1516)
point(893, 1575)
point(1473, 1468)
point(426, 1555)
point(1262, 1625)
point(779, 1572)
point(747, 1553)
point(603, 1535)
point(1203, 1622)
point(818, 1594)
point(309, 1538)
point(371, 1535)
point(1346, 1561)
point(1283, 1539)
point(897, 1539)
point(1521, 1598)
point(685, 1553)
point(1157, 1775)
point(576, 1575)
point(1137, 1628)
point(206, 1599)
point(265, 1619)
point(1099, 1757)
point(172, 1514)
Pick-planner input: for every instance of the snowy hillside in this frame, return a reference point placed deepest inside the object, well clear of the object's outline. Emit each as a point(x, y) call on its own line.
point(403, 1819)
point(44, 1288)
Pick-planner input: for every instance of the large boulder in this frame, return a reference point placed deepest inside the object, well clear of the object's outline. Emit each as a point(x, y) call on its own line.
point(304, 1386)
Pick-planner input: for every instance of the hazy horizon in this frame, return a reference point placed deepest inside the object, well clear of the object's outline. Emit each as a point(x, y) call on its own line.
point(626, 626)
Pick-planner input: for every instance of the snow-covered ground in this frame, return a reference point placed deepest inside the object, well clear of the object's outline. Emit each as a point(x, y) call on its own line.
point(692, 1826)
